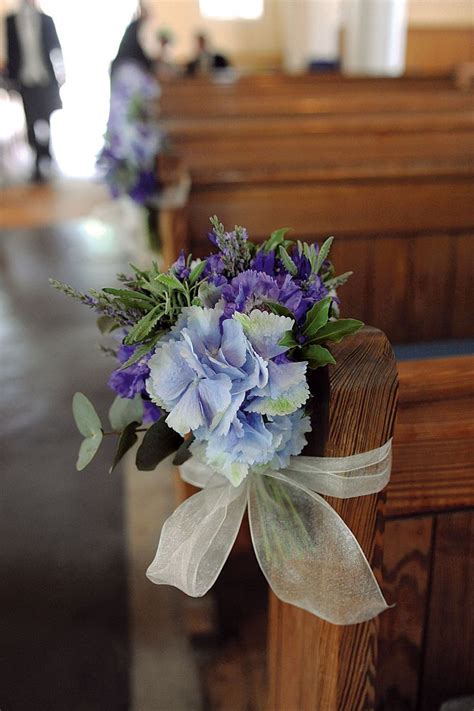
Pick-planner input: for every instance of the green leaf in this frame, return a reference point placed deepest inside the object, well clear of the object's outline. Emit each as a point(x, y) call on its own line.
point(276, 238)
point(288, 340)
point(106, 325)
point(317, 356)
point(128, 295)
point(142, 329)
point(183, 453)
point(196, 272)
point(336, 330)
point(323, 253)
point(124, 411)
point(338, 281)
point(88, 450)
point(317, 317)
point(126, 441)
point(86, 418)
point(279, 309)
point(288, 263)
point(171, 282)
point(158, 442)
point(141, 351)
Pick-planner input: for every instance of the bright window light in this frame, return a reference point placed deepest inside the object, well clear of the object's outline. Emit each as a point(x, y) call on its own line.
point(232, 9)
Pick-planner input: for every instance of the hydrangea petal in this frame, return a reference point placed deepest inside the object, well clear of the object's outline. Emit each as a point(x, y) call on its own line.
point(264, 331)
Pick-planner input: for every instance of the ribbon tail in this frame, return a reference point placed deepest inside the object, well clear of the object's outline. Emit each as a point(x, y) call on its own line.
point(309, 556)
point(197, 538)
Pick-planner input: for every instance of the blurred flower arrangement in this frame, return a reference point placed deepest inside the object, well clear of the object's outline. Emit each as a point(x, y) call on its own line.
point(215, 353)
point(133, 138)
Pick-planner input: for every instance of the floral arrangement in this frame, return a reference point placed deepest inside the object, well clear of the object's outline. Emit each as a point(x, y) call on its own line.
point(133, 138)
point(214, 354)
point(213, 362)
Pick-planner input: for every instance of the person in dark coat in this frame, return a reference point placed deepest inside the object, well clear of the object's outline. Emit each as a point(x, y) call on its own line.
point(130, 48)
point(33, 53)
point(205, 61)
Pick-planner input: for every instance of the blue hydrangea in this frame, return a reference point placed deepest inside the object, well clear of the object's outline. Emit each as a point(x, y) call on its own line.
point(228, 381)
point(202, 374)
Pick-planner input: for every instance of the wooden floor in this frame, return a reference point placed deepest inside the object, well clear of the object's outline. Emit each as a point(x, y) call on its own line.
point(35, 206)
point(70, 636)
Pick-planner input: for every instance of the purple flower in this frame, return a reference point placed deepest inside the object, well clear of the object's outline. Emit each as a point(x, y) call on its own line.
point(130, 382)
point(179, 268)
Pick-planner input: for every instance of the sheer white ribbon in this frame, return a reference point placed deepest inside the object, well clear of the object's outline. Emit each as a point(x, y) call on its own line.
point(308, 555)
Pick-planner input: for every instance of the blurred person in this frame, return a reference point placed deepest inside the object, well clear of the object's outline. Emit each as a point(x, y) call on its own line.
point(132, 47)
point(34, 64)
point(205, 61)
point(165, 67)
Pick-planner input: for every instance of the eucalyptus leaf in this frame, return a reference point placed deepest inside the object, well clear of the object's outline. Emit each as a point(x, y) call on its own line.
point(288, 263)
point(86, 418)
point(323, 253)
point(317, 356)
point(88, 450)
point(158, 442)
point(126, 441)
point(124, 411)
point(317, 317)
point(336, 330)
point(183, 453)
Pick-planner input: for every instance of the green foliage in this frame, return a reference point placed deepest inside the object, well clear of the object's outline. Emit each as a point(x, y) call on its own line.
point(288, 263)
point(86, 418)
point(123, 412)
point(183, 453)
point(141, 351)
point(323, 253)
point(158, 443)
point(317, 356)
point(90, 427)
point(126, 441)
point(317, 317)
point(88, 450)
point(276, 239)
point(336, 330)
point(106, 325)
point(196, 272)
point(145, 326)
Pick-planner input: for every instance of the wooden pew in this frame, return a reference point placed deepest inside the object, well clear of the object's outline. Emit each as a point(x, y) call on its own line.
point(428, 544)
point(421, 655)
point(394, 187)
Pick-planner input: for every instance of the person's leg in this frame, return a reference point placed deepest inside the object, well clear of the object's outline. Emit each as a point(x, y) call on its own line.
point(27, 94)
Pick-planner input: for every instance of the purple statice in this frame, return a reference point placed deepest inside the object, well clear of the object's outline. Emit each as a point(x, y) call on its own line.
point(180, 269)
point(130, 382)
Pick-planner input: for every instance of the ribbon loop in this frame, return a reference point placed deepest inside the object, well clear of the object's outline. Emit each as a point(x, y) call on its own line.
point(309, 556)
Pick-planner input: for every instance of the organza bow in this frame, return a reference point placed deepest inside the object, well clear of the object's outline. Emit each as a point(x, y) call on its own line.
point(308, 555)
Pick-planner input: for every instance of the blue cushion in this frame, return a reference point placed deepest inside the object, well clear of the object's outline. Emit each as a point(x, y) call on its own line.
point(435, 349)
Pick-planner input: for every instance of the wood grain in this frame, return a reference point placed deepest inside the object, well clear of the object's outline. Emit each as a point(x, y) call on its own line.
point(313, 664)
point(463, 291)
point(433, 463)
point(449, 662)
point(406, 565)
